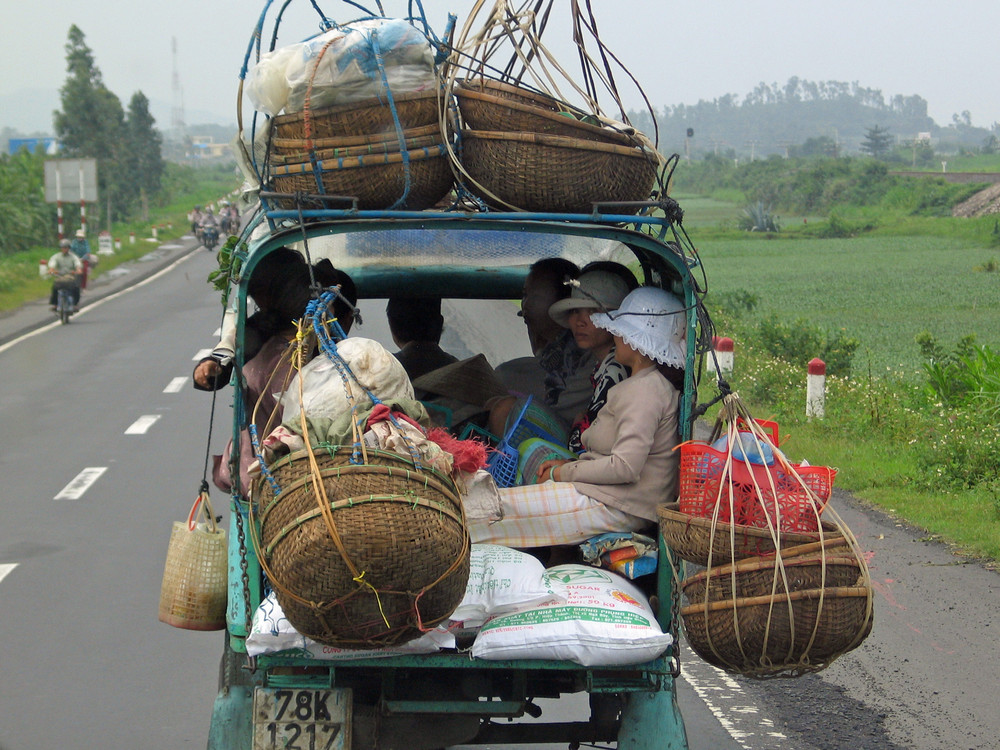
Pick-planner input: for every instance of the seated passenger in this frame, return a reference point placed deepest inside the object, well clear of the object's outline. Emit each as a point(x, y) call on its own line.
point(416, 325)
point(280, 286)
point(629, 465)
point(558, 373)
point(601, 287)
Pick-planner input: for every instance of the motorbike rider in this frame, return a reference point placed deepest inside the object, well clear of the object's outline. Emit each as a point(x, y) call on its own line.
point(210, 224)
point(63, 264)
point(196, 217)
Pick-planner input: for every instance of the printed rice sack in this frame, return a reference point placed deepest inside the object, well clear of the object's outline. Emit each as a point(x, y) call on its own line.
point(502, 580)
point(604, 620)
point(271, 632)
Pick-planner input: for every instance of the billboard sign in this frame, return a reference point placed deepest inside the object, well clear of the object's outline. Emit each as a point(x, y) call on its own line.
point(71, 180)
point(49, 143)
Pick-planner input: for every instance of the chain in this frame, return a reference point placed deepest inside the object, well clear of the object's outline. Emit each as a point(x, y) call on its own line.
point(675, 616)
point(244, 567)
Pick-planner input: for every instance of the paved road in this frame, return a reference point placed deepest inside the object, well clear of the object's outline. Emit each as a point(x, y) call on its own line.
point(85, 662)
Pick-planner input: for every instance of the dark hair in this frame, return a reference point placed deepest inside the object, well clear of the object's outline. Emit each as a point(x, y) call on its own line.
point(556, 269)
point(415, 318)
point(674, 375)
point(617, 269)
point(280, 285)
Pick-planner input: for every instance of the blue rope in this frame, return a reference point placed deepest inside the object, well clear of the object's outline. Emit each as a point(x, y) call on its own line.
point(255, 441)
point(395, 118)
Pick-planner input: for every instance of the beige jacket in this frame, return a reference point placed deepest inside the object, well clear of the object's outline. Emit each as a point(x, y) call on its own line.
point(630, 462)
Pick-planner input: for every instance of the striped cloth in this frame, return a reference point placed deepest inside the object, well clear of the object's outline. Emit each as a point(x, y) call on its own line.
point(541, 515)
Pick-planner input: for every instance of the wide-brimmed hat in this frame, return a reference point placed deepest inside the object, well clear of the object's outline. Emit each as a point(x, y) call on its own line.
point(470, 380)
point(80, 233)
point(651, 321)
point(596, 290)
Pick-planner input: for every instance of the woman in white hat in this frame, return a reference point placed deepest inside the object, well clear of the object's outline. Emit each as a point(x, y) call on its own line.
point(601, 287)
point(629, 465)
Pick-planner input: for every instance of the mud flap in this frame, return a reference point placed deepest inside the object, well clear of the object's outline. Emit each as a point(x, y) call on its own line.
point(232, 719)
point(652, 721)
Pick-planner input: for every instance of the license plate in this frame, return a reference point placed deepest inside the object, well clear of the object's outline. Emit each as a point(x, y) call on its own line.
point(294, 719)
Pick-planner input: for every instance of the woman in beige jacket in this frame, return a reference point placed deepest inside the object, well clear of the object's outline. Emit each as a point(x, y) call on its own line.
point(629, 465)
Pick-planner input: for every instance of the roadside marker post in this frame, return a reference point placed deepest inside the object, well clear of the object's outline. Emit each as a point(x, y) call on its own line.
point(816, 388)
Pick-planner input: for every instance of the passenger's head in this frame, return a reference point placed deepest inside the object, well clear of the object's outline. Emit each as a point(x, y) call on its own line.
point(280, 285)
point(650, 321)
point(543, 286)
point(64, 245)
point(597, 290)
point(414, 319)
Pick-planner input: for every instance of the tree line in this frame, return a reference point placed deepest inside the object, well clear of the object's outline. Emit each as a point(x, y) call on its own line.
point(774, 118)
point(91, 124)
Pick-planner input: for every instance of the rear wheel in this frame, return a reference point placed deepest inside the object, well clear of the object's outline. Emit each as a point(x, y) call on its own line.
point(65, 308)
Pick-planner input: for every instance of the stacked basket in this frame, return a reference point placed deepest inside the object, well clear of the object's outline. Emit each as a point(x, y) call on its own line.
point(527, 151)
point(385, 152)
point(781, 593)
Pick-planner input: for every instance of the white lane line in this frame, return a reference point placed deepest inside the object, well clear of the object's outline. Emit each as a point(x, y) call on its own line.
point(202, 353)
point(142, 424)
point(81, 483)
point(176, 385)
point(6, 568)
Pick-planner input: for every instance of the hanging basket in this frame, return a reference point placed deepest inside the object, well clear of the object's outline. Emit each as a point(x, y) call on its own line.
point(781, 634)
point(394, 564)
point(552, 173)
point(496, 106)
point(363, 118)
point(807, 566)
point(412, 180)
point(697, 539)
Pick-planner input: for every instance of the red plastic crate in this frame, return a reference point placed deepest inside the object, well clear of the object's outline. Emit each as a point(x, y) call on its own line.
point(758, 492)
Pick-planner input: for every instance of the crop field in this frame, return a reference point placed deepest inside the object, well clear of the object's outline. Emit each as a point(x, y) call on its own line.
point(882, 291)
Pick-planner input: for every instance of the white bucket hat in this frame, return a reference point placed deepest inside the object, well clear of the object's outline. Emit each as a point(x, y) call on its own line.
point(596, 290)
point(651, 321)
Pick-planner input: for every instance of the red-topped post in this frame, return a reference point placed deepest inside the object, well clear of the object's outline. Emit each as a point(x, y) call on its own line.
point(723, 348)
point(816, 388)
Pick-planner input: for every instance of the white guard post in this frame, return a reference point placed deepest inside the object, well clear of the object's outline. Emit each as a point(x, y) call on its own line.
point(722, 346)
point(816, 388)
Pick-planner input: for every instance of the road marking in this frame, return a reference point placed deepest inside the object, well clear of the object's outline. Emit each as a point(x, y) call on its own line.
point(176, 385)
point(6, 568)
point(81, 483)
point(202, 353)
point(142, 424)
point(725, 698)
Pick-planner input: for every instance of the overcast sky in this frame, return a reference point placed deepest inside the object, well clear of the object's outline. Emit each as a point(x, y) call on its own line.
point(681, 52)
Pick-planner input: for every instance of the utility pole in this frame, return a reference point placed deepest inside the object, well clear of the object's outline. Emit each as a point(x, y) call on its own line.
point(177, 112)
point(753, 149)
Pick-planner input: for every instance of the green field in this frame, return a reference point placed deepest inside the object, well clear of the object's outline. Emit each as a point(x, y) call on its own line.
point(881, 290)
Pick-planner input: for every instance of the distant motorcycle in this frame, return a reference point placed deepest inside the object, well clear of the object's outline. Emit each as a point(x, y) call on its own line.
point(210, 236)
point(65, 286)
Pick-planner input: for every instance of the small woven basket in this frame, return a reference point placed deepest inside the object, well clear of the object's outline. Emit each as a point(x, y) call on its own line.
point(362, 118)
point(552, 173)
point(496, 106)
point(691, 537)
point(808, 566)
point(783, 634)
point(397, 564)
point(378, 181)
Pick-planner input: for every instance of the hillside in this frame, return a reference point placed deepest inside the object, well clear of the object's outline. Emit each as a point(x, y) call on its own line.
point(983, 203)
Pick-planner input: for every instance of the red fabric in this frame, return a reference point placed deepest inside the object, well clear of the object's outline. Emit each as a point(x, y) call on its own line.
point(381, 413)
point(469, 455)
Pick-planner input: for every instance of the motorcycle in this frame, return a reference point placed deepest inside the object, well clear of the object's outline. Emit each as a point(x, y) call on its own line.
point(65, 286)
point(210, 236)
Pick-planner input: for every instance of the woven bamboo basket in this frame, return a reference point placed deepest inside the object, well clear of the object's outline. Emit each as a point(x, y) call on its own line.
point(378, 181)
point(767, 636)
point(389, 146)
point(360, 118)
point(552, 173)
point(807, 566)
point(495, 106)
point(397, 564)
point(691, 537)
point(378, 142)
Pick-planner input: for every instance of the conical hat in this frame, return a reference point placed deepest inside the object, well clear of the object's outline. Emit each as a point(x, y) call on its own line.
point(470, 380)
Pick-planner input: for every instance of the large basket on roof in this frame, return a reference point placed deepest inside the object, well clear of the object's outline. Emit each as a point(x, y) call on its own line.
point(363, 118)
point(361, 555)
point(555, 173)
